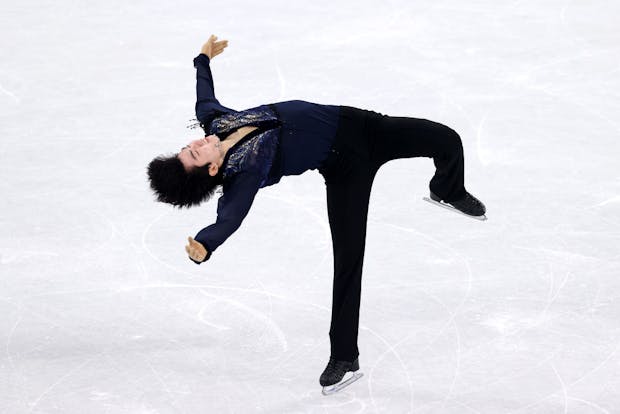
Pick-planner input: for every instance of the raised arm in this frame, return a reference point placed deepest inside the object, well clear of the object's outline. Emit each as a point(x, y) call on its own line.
point(207, 105)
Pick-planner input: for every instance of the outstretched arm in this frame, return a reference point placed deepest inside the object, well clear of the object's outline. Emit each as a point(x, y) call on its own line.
point(232, 207)
point(207, 105)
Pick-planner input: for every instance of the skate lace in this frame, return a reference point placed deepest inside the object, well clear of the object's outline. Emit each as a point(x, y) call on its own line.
point(468, 201)
point(335, 365)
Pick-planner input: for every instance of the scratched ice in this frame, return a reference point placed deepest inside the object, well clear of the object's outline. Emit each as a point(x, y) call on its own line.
point(101, 312)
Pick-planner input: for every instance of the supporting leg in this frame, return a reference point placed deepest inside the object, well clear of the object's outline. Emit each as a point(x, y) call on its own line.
point(347, 205)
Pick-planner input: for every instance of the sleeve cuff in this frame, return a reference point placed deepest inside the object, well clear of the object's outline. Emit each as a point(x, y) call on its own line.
point(206, 257)
point(201, 58)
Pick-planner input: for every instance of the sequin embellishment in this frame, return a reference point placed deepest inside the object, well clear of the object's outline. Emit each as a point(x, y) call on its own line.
point(257, 153)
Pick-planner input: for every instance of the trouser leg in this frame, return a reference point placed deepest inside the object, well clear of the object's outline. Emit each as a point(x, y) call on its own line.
point(404, 137)
point(347, 205)
point(366, 140)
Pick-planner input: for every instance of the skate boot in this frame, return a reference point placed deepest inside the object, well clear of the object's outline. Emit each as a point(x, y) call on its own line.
point(467, 205)
point(332, 379)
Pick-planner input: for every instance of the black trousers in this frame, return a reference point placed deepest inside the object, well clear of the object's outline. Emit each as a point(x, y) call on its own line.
point(366, 140)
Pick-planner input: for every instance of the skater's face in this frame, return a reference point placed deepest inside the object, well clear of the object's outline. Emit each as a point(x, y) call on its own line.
point(201, 152)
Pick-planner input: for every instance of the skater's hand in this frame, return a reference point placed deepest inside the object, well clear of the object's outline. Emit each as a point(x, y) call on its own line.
point(213, 48)
point(195, 250)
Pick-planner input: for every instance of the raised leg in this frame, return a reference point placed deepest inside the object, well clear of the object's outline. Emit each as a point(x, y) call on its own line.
point(404, 137)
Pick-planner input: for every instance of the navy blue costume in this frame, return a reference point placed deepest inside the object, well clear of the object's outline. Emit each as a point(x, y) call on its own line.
point(293, 137)
point(348, 146)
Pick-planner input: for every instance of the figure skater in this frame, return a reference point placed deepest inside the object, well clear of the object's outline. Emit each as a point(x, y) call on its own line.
point(243, 151)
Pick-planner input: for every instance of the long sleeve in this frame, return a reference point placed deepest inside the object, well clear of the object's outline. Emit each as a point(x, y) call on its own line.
point(232, 208)
point(207, 105)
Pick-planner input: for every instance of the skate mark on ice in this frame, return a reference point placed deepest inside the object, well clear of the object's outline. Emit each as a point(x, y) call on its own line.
point(597, 367)
point(145, 247)
point(137, 251)
point(614, 199)
point(462, 404)
point(201, 317)
point(202, 287)
point(566, 255)
point(166, 387)
point(301, 350)
point(535, 322)
point(10, 94)
point(458, 350)
point(270, 322)
point(9, 356)
point(278, 332)
point(9, 255)
point(33, 404)
point(563, 385)
point(570, 258)
point(563, 390)
point(451, 321)
point(590, 404)
point(390, 348)
point(443, 247)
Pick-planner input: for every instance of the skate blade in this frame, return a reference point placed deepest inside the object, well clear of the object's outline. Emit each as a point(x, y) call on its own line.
point(449, 207)
point(331, 389)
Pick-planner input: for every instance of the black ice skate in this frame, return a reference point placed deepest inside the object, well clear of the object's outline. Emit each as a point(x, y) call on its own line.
point(468, 205)
point(332, 378)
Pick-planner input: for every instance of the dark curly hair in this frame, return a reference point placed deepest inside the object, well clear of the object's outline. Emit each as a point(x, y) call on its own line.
point(172, 184)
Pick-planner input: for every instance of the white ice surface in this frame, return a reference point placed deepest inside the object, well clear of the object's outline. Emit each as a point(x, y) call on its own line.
point(101, 312)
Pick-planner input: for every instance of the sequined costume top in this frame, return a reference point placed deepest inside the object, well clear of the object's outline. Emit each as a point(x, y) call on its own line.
point(292, 137)
point(256, 151)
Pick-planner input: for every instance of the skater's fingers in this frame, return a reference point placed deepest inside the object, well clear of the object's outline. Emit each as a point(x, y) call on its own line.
point(191, 250)
point(191, 244)
point(197, 255)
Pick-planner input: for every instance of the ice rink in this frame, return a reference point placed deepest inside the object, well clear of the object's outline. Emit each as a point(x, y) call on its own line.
point(102, 312)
